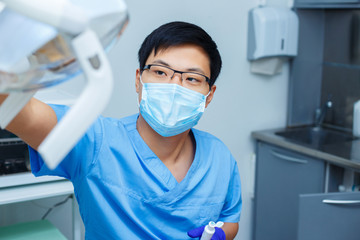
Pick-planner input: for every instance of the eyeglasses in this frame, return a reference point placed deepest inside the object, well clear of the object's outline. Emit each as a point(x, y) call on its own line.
point(163, 74)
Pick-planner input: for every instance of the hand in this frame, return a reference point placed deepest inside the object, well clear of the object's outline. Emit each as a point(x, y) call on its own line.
point(197, 232)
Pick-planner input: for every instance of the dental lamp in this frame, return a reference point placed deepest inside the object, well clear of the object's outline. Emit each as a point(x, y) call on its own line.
point(44, 43)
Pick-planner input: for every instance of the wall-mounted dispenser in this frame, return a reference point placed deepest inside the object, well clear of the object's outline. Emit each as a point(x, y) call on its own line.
point(272, 38)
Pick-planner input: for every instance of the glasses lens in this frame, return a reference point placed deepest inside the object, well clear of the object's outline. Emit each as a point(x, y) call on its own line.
point(194, 80)
point(160, 74)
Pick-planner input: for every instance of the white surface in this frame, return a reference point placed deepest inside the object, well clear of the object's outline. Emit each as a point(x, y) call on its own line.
point(35, 191)
point(61, 14)
point(356, 119)
point(15, 43)
point(17, 179)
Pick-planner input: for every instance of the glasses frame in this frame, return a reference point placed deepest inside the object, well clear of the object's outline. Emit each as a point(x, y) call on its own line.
point(147, 67)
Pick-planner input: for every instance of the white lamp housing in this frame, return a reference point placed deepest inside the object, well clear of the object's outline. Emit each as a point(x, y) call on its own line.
point(89, 27)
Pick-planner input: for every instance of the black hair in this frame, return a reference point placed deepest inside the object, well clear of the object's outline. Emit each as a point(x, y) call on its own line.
point(178, 33)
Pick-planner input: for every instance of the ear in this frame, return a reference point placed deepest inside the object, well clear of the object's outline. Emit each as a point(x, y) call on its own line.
point(137, 80)
point(211, 95)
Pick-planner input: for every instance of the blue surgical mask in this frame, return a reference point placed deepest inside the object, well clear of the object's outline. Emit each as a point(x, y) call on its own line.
point(171, 109)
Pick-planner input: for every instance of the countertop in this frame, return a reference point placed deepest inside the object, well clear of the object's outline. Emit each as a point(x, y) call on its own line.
point(345, 154)
point(31, 192)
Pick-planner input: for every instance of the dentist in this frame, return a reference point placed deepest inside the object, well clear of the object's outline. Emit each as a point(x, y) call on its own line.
point(150, 175)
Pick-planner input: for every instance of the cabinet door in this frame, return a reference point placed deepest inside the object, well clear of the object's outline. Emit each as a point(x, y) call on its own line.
point(281, 175)
point(327, 1)
point(329, 216)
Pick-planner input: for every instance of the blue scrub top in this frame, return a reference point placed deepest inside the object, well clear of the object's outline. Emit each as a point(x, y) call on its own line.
point(125, 191)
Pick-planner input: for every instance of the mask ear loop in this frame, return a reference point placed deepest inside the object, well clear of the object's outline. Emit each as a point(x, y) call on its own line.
point(137, 100)
point(207, 95)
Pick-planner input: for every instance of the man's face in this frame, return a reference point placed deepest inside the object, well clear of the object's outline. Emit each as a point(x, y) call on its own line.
point(186, 58)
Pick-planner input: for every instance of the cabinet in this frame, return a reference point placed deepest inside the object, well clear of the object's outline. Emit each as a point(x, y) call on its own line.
point(329, 216)
point(281, 176)
point(296, 197)
point(332, 215)
point(30, 193)
point(326, 3)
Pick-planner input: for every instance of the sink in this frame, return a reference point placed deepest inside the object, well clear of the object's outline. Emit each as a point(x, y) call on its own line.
point(315, 136)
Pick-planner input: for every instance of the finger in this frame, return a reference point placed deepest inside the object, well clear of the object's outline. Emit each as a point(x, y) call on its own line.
point(197, 232)
point(219, 234)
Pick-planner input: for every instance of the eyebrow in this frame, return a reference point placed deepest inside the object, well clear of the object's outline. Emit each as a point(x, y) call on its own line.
point(159, 61)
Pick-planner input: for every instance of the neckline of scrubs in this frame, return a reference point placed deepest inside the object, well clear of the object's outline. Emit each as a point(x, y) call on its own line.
point(174, 188)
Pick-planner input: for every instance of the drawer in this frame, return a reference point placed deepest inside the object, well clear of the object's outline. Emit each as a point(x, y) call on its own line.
point(330, 216)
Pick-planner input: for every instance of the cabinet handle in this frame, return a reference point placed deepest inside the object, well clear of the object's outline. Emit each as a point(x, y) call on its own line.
point(341, 202)
point(287, 158)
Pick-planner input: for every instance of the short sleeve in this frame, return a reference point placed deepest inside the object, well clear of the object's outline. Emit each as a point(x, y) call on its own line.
point(233, 202)
point(78, 159)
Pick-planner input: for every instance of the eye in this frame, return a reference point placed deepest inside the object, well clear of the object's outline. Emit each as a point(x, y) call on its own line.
point(192, 79)
point(160, 73)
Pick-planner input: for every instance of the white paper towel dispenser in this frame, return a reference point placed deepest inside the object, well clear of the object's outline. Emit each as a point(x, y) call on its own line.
point(273, 31)
point(272, 35)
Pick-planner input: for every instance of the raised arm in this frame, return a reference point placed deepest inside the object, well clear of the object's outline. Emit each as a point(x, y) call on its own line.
point(33, 123)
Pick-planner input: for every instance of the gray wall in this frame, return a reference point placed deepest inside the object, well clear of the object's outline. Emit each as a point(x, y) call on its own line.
point(326, 68)
point(341, 69)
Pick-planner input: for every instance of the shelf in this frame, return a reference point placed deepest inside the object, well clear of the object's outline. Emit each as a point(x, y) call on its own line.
point(342, 65)
point(35, 191)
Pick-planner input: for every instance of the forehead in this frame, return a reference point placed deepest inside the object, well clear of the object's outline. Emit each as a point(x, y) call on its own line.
point(182, 57)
